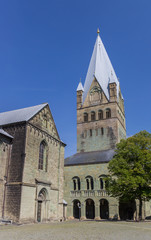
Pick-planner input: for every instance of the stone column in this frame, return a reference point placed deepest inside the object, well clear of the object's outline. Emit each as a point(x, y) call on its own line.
point(83, 216)
point(97, 211)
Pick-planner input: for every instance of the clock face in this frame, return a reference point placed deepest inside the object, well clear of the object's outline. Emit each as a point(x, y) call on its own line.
point(95, 94)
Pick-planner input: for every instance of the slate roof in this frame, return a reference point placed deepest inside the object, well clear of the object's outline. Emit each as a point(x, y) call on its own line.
point(101, 68)
point(90, 157)
point(5, 133)
point(20, 115)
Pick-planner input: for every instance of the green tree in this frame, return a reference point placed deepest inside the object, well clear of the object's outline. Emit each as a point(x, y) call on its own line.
point(130, 169)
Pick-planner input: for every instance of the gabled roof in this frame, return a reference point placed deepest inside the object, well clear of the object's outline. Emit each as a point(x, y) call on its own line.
point(100, 67)
point(20, 115)
point(94, 157)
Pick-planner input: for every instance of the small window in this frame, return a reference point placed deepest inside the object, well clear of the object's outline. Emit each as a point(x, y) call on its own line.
point(100, 115)
point(90, 183)
point(90, 132)
point(76, 183)
point(87, 180)
point(92, 116)
point(85, 117)
point(108, 113)
point(101, 183)
point(102, 131)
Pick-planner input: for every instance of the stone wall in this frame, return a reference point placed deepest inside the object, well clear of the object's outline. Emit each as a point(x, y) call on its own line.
point(26, 182)
point(5, 154)
point(99, 134)
point(82, 171)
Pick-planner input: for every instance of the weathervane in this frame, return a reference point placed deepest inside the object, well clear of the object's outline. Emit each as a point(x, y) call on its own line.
point(98, 31)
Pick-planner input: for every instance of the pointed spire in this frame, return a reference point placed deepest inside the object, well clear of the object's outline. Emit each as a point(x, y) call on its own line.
point(80, 86)
point(100, 67)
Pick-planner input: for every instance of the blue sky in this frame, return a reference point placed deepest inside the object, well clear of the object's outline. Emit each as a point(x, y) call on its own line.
point(46, 46)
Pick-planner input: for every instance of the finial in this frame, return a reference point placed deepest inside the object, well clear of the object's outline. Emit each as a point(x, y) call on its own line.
point(98, 31)
point(80, 79)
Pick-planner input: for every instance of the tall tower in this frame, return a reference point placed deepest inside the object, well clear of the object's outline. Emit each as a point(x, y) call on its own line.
point(100, 105)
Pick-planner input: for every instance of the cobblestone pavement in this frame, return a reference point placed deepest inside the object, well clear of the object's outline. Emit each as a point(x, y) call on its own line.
point(75, 230)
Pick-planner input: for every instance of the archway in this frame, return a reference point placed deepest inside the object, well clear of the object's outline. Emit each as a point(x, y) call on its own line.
point(90, 209)
point(127, 209)
point(76, 209)
point(41, 206)
point(104, 209)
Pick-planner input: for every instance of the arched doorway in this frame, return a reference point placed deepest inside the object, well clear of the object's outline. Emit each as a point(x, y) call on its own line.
point(127, 209)
point(90, 209)
point(104, 209)
point(76, 209)
point(41, 206)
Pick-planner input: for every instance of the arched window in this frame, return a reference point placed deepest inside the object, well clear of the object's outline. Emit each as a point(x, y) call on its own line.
point(100, 114)
point(93, 116)
point(108, 113)
point(85, 117)
point(89, 183)
point(43, 156)
point(76, 183)
point(102, 182)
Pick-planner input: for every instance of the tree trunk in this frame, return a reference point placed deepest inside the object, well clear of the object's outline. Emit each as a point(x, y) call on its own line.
point(140, 208)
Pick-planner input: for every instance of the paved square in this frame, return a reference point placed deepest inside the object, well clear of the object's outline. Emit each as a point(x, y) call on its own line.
point(75, 230)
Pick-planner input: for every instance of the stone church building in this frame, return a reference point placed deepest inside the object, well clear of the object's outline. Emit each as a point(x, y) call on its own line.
point(100, 126)
point(32, 162)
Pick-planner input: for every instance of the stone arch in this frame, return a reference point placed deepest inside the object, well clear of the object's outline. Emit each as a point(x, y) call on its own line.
point(102, 181)
point(92, 116)
point(104, 209)
point(85, 117)
point(90, 208)
point(76, 183)
point(42, 205)
point(76, 208)
point(108, 113)
point(89, 183)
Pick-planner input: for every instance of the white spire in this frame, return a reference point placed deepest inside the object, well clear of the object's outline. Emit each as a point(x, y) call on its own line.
point(101, 68)
point(80, 86)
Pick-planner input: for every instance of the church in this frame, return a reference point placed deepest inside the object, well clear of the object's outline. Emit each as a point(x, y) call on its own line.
point(100, 126)
point(32, 163)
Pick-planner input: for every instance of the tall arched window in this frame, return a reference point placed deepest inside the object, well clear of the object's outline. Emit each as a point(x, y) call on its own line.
point(100, 114)
point(43, 156)
point(85, 117)
point(108, 113)
point(76, 183)
point(93, 116)
point(89, 183)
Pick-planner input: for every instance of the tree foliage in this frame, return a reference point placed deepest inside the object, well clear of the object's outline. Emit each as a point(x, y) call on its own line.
point(130, 169)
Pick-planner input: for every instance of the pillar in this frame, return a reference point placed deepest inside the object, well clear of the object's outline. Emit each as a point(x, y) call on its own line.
point(97, 211)
point(83, 206)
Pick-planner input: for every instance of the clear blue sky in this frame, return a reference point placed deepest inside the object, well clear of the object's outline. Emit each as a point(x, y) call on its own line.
point(46, 45)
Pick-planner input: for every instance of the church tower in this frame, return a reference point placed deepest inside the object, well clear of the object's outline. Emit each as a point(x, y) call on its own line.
point(100, 105)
